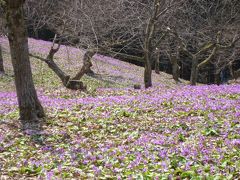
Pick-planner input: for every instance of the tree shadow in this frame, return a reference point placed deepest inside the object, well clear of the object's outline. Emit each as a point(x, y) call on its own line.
point(107, 78)
point(34, 129)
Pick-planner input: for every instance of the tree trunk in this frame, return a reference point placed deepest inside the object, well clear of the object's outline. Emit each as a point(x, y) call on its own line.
point(52, 65)
point(236, 74)
point(70, 83)
point(147, 55)
point(217, 78)
point(64, 77)
point(157, 70)
point(194, 71)
point(87, 64)
point(148, 73)
point(1, 62)
point(75, 83)
point(175, 68)
point(29, 105)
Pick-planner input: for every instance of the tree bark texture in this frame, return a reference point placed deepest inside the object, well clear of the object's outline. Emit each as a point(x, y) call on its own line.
point(148, 74)
point(217, 79)
point(1, 61)
point(157, 63)
point(87, 64)
point(236, 74)
point(147, 54)
point(175, 68)
point(149, 33)
point(29, 106)
point(194, 71)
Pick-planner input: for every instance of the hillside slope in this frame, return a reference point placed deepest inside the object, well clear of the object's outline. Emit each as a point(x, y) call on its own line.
point(116, 132)
point(110, 72)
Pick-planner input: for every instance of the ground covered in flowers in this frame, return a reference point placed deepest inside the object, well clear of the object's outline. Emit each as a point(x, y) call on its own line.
point(117, 132)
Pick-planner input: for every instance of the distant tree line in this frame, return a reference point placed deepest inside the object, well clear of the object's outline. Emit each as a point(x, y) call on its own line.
point(138, 31)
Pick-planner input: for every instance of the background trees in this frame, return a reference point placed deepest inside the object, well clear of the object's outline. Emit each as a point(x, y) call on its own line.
point(133, 30)
point(207, 29)
point(115, 27)
point(96, 26)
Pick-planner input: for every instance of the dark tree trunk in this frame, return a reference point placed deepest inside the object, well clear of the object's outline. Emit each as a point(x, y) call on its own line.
point(148, 42)
point(147, 56)
point(236, 74)
point(148, 74)
point(194, 71)
point(1, 62)
point(29, 105)
point(175, 68)
point(147, 47)
point(217, 78)
point(157, 70)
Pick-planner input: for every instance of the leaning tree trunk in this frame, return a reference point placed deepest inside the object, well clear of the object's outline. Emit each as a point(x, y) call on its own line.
point(87, 64)
point(1, 61)
point(194, 71)
point(75, 83)
point(70, 83)
point(29, 105)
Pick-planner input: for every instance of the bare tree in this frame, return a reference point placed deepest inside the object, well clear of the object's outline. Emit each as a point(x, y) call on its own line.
point(116, 27)
point(29, 106)
point(157, 61)
point(160, 12)
point(96, 26)
point(38, 14)
point(227, 61)
point(2, 71)
point(197, 25)
point(102, 26)
point(174, 60)
point(213, 46)
point(70, 83)
point(1, 62)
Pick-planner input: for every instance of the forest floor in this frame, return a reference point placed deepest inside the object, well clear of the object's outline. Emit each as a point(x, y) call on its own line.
point(112, 131)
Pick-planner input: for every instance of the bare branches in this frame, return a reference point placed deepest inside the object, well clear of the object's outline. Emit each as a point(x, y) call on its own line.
point(139, 27)
point(53, 50)
point(231, 45)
